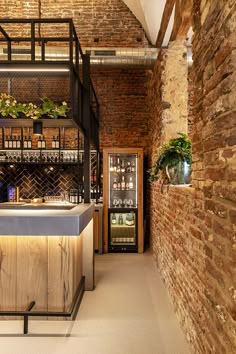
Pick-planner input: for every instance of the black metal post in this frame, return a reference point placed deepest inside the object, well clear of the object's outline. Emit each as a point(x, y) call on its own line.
point(86, 121)
point(32, 41)
point(26, 317)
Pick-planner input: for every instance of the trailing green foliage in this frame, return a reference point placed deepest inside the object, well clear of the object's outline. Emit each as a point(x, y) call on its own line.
point(10, 108)
point(170, 154)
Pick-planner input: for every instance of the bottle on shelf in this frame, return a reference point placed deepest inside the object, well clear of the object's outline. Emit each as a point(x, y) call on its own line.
point(53, 142)
point(131, 184)
point(113, 218)
point(6, 143)
point(25, 143)
point(39, 143)
point(10, 142)
point(115, 185)
point(14, 142)
point(123, 184)
point(18, 142)
point(120, 219)
point(43, 143)
point(111, 164)
point(133, 166)
point(57, 143)
point(122, 166)
point(118, 167)
point(128, 168)
point(29, 142)
point(118, 186)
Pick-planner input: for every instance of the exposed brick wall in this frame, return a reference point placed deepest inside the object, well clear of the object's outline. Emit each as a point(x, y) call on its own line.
point(193, 229)
point(123, 107)
point(109, 20)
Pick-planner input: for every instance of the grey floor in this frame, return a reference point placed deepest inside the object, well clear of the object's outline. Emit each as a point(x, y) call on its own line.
point(128, 313)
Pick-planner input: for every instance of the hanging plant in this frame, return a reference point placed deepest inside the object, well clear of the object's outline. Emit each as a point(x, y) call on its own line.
point(171, 155)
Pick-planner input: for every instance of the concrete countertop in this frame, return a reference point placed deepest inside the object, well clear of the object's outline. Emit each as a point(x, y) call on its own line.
point(45, 222)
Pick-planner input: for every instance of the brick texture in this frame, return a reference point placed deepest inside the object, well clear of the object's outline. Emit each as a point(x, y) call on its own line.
point(193, 229)
point(123, 115)
point(109, 21)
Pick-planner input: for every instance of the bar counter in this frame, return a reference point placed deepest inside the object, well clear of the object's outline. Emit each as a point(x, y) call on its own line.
point(44, 253)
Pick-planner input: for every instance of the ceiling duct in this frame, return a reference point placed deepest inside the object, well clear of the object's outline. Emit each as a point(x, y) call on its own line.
point(133, 58)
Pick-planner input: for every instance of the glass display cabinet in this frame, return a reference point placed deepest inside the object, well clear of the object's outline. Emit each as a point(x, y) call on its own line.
point(123, 199)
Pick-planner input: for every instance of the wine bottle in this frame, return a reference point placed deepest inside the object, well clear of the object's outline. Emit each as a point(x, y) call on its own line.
point(131, 184)
point(39, 143)
point(111, 164)
point(18, 143)
point(25, 144)
point(29, 142)
point(128, 169)
point(120, 219)
point(133, 166)
point(57, 143)
point(14, 142)
point(53, 142)
point(118, 166)
point(43, 143)
point(113, 219)
point(123, 166)
point(123, 183)
point(115, 185)
point(6, 143)
point(10, 142)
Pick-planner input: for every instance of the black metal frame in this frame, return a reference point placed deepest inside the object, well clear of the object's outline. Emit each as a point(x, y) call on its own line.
point(27, 313)
point(85, 116)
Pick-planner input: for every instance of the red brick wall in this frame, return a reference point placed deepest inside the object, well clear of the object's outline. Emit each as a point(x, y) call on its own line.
point(109, 20)
point(193, 229)
point(123, 107)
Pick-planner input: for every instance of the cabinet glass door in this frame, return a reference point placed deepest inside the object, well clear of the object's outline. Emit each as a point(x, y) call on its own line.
point(122, 180)
point(122, 229)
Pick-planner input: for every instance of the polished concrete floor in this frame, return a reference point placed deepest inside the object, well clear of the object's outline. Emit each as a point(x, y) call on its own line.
point(128, 313)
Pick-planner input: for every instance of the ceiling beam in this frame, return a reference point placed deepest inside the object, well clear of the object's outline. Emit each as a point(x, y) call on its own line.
point(164, 21)
point(183, 18)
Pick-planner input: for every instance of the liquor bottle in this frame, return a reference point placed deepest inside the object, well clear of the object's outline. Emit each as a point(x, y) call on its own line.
point(10, 142)
point(118, 186)
point(131, 184)
point(25, 144)
point(128, 219)
point(18, 143)
point(57, 143)
point(118, 166)
point(128, 168)
point(111, 164)
point(123, 166)
point(123, 183)
point(120, 219)
point(113, 219)
point(29, 142)
point(6, 143)
point(43, 143)
point(39, 143)
point(14, 142)
point(133, 166)
point(53, 142)
point(114, 185)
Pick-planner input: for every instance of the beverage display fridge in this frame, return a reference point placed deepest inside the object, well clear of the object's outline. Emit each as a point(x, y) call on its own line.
point(123, 199)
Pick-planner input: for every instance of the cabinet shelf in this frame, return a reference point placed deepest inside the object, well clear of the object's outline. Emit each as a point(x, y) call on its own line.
point(38, 163)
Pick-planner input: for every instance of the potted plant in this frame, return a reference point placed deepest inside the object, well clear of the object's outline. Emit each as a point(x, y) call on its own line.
point(50, 109)
point(10, 108)
point(173, 159)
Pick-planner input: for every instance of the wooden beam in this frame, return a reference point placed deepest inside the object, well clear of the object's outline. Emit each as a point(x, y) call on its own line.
point(183, 18)
point(164, 21)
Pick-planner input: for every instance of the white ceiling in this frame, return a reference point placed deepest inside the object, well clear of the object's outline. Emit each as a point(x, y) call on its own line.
point(149, 13)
